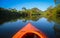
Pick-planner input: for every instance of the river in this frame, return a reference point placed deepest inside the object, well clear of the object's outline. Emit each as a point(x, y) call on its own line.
point(51, 28)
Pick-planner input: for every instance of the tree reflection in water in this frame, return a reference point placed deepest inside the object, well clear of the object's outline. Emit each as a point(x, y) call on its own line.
point(57, 30)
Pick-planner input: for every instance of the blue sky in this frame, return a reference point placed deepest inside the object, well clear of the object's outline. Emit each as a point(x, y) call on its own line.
point(18, 4)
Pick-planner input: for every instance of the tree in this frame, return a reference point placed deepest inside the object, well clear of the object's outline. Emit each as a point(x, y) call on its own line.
point(13, 10)
point(55, 1)
point(24, 9)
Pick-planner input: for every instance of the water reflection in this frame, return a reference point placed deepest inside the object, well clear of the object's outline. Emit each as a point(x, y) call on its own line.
point(57, 30)
point(50, 26)
point(34, 18)
point(56, 27)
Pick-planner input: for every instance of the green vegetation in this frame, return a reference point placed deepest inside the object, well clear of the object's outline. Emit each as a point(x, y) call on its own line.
point(23, 12)
point(9, 14)
point(52, 13)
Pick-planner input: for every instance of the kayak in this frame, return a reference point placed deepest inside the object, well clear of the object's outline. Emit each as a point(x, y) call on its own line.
point(29, 31)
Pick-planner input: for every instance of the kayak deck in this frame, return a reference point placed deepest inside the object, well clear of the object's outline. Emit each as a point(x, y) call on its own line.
point(29, 31)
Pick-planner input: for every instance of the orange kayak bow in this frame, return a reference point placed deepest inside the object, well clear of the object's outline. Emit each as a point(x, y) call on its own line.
point(29, 31)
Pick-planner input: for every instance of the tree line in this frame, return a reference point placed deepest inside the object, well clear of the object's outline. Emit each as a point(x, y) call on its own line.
point(53, 11)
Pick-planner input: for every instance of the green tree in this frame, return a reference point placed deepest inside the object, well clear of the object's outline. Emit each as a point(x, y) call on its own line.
point(24, 8)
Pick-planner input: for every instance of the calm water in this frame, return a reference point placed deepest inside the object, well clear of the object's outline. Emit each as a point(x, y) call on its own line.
point(49, 26)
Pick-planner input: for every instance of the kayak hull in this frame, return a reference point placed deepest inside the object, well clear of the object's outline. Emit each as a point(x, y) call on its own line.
point(29, 30)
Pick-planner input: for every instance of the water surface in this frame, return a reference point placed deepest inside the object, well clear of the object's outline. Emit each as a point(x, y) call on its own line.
point(49, 27)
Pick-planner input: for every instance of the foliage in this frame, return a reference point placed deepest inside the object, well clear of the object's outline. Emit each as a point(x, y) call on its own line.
point(53, 11)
